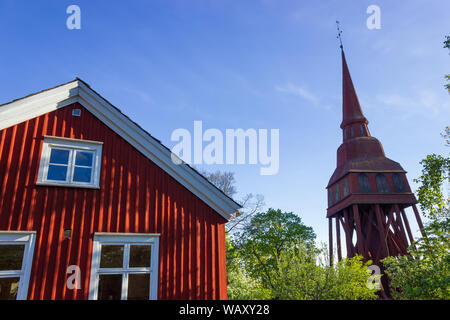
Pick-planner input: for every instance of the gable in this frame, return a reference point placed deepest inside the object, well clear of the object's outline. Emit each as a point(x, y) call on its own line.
point(77, 91)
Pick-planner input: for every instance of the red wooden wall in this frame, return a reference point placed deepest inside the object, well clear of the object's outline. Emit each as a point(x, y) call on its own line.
point(135, 195)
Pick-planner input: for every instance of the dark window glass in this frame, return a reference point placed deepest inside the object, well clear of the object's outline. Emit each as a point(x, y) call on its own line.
point(364, 184)
point(109, 286)
point(382, 184)
point(338, 193)
point(83, 166)
point(345, 133)
point(140, 256)
point(57, 169)
point(8, 288)
point(361, 129)
point(346, 189)
point(11, 256)
point(111, 256)
point(138, 286)
point(57, 172)
point(351, 131)
point(83, 158)
point(399, 185)
point(59, 156)
point(330, 197)
point(81, 174)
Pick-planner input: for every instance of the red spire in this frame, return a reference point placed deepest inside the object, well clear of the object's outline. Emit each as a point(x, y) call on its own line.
point(350, 104)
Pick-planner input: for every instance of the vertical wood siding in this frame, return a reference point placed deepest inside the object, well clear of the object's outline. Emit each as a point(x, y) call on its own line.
point(135, 195)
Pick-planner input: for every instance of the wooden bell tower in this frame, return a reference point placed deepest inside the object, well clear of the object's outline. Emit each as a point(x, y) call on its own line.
point(368, 192)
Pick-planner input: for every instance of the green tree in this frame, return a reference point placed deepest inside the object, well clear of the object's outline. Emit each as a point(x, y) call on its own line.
point(264, 238)
point(240, 285)
point(425, 272)
point(431, 194)
point(305, 274)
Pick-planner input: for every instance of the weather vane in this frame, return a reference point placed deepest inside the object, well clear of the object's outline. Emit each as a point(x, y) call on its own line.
point(339, 36)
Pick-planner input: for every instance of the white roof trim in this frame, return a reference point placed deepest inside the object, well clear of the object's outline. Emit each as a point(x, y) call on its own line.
point(49, 100)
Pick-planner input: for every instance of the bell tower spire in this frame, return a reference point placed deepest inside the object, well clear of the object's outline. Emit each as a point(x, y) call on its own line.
point(354, 123)
point(351, 109)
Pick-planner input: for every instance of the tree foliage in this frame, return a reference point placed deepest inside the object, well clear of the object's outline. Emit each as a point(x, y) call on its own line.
point(240, 285)
point(425, 272)
point(263, 240)
point(304, 274)
point(431, 193)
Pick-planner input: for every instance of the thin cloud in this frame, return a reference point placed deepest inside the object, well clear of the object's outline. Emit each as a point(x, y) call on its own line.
point(298, 91)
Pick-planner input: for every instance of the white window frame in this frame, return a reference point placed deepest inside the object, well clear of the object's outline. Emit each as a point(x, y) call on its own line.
point(73, 145)
point(125, 239)
point(27, 238)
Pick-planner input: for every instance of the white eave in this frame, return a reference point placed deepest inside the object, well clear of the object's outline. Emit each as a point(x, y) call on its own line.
point(35, 105)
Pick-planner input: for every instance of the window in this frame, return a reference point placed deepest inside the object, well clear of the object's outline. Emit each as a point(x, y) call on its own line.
point(16, 255)
point(364, 183)
point(338, 193)
point(70, 162)
point(330, 197)
point(124, 267)
point(361, 130)
point(351, 131)
point(399, 185)
point(346, 189)
point(382, 184)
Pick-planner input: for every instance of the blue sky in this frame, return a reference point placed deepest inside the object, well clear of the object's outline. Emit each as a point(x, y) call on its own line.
point(248, 64)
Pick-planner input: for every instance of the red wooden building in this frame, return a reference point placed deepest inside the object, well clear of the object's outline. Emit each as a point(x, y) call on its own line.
point(92, 206)
point(368, 193)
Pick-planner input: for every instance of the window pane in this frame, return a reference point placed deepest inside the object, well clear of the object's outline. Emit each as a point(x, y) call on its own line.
point(8, 288)
point(140, 256)
point(346, 190)
point(399, 186)
point(82, 174)
point(109, 287)
point(138, 286)
point(59, 156)
point(11, 256)
point(338, 193)
point(361, 130)
point(330, 197)
point(364, 183)
point(84, 158)
point(111, 256)
point(382, 184)
point(57, 173)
